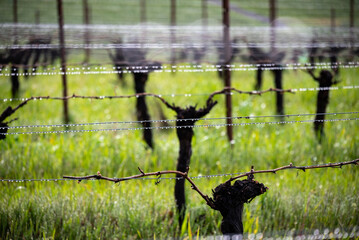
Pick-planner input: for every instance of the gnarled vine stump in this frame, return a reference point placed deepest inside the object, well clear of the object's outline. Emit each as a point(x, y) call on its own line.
point(186, 118)
point(136, 58)
point(229, 200)
point(279, 95)
point(141, 106)
point(4, 125)
point(261, 58)
point(26, 58)
point(3, 130)
point(15, 83)
point(222, 61)
point(325, 81)
point(119, 62)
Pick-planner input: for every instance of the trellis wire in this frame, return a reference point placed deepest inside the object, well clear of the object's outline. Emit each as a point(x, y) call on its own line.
point(172, 120)
point(159, 177)
point(244, 45)
point(147, 178)
point(205, 65)
point(294, 90)
point(175, 127)
point(86, 70)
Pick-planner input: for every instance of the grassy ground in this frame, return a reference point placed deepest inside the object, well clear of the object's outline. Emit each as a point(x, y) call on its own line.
point(324, 198)
point(296, 13)
point(316, 199)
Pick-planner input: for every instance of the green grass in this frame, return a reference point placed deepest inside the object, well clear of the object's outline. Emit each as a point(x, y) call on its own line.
point(292, 13)
point(316, 199)
point(115, 12)
point(325, 198)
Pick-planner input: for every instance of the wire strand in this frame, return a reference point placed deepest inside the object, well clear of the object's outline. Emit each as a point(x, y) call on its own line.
point(294, 90)
point(172, 120)
point(87, 70)
point(175, 127)
point(167, 178)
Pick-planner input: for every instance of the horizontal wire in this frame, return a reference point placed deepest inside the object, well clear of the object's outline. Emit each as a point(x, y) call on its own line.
point(182, 69)
point(173, 120)
point(296, 45)
point(129, 67)
point(125, 65)
point(137, 95)
point(347, 87)
point(34, 180)
point(175, 127)
point(144, 178)
point(148, 178)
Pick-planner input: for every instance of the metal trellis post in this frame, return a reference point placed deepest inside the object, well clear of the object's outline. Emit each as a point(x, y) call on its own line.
point(226, 72)
point(86, 19)
point(63, 59)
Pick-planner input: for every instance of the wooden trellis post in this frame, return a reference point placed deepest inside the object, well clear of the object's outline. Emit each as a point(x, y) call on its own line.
point(351, 17)
point(143, 11)
point(63, 59)
point(205, 14)
point(173, 35)
point(15, 83)
point(37, 17)
point(143, 20)
point(272, 18)
point(351, 25)
point(227, 61)
point(199, 53)
point(332, 20)
point(277, 72)
point(86, 20)
point(15, 19)
point(333, 52)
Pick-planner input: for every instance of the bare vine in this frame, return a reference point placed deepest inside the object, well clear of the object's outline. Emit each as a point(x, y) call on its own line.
point(225, 90)
point(209, 200)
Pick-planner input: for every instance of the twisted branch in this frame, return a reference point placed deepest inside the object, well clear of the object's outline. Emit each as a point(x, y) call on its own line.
point(228, 90)
point(142, 174)
point(208, 200)
point(291, 166)
point(172, 106)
